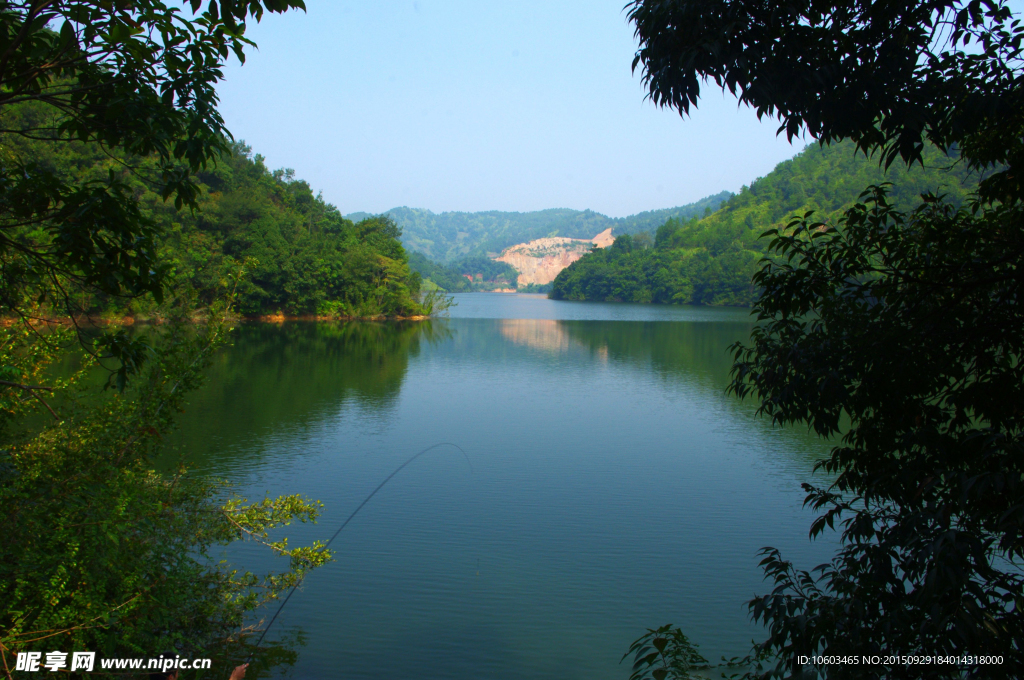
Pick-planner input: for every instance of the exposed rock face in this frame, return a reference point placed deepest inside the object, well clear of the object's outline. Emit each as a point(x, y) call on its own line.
point(540, 261)
point(604, 239)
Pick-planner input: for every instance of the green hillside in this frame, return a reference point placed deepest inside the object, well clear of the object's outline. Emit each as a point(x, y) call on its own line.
point(710, 260)
point(300, 255)
point(450, 236)
point(486, 274)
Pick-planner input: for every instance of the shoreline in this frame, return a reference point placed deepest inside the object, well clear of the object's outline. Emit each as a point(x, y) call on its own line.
point(102, 322)
point(281, 318)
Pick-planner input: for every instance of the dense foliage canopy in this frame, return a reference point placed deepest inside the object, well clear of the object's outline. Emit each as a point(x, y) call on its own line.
point(99, 552)
point(302, 256)
point(710, 261)
point(897, 333)
point(889, 76)
point(137, 77)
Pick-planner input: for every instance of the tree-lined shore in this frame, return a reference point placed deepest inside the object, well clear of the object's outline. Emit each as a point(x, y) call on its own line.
point(710, 260)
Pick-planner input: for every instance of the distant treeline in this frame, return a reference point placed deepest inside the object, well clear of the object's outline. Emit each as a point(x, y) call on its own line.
point(486, 274)
point(710, 260)
point(449, 237)
point(299, 254)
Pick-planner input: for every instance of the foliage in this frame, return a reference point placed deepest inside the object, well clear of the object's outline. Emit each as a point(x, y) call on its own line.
point(98, 551)
point(302, 257)
point(134, 76)
point(629, 272)
point(664, 653)
point(710, 261)
point(904, 324)
point(107, 111)
point(908, 325)
point(888, 76)
point(449, 236)
point(119, 115)
point(486, 273)
point(445, 277)
point(306, 258)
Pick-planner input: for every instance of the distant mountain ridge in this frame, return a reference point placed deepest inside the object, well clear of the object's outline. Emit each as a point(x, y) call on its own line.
point(448, 236)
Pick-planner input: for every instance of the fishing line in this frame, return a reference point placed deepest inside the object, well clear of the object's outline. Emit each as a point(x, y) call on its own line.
point(345, 524)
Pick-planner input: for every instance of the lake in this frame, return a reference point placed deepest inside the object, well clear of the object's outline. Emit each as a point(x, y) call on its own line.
point(608, 484)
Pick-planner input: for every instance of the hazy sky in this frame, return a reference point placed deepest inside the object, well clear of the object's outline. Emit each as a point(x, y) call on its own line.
point(471, 105)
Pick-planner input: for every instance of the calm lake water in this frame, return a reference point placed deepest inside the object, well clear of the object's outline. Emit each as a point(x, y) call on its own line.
point(608, 484)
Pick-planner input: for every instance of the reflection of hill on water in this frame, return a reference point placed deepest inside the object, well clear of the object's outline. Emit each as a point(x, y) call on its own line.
point(673, 350)
point(277, 377)
point(690, 358)
point(695, 356)
point(546, 335)
point(690, 351)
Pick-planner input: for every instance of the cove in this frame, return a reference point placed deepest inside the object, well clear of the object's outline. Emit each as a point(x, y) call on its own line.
point(609, 484)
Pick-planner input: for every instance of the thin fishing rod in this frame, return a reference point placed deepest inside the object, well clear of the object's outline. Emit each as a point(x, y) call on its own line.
point(345, 524)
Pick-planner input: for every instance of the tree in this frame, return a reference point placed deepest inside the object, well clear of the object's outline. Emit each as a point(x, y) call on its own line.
point(711, 260)
point(887, 75)
point(97, 551)
point(908, 325)
point(135, 76)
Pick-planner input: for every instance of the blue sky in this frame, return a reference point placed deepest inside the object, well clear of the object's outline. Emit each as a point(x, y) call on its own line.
point(471, 105)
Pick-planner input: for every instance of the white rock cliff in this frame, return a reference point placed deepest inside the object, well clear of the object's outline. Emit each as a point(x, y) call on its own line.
point(540, 261)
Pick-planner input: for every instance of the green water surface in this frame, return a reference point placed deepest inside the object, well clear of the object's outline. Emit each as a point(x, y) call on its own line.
point(608, 484)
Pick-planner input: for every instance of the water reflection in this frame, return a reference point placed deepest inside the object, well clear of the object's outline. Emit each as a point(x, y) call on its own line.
point(277, 378)
point(614, 486)
point(689, 352)
point(693, 352)
point(281, 379)
point(543, 334)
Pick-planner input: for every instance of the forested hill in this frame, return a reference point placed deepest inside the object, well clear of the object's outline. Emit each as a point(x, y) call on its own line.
point(710, 260)
point(450, 236)
point(299, 254)
point(303, 257)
